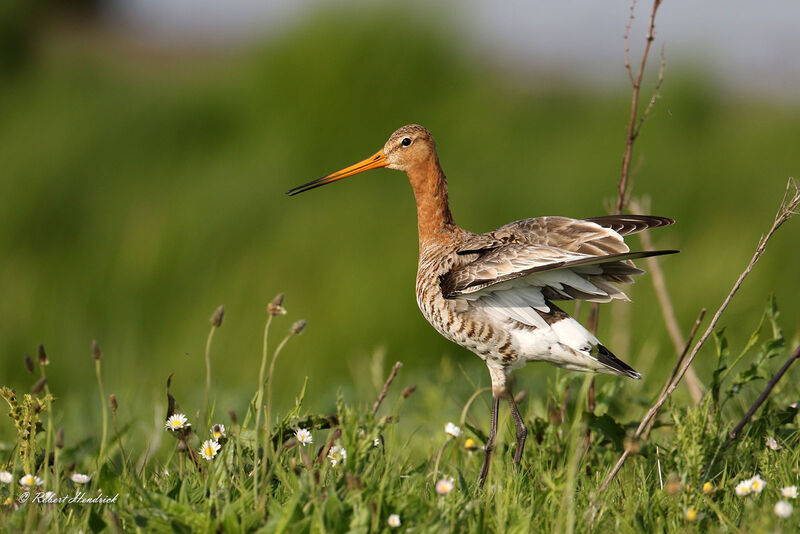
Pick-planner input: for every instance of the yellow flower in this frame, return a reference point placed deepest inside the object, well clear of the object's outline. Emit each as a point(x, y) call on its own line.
point(690, 514)
point(470, 444)
point(708, 488)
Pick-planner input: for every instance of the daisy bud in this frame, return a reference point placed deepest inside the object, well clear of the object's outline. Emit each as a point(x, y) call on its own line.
point(519, 397)
point(181, 446)
point(28, 364)
point(96, 354)
point(60, 438)
point(276, 306)
point(42, 356)
point(298, 326)
point(112, 403)
point(409, 390)
point(233, 417)
point(39, 385)
point(216, 319)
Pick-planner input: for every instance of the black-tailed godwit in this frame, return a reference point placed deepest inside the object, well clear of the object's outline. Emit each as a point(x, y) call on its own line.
point(493, 293)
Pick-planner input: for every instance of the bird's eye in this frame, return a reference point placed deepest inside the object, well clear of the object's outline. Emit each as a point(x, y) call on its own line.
point(406, 141)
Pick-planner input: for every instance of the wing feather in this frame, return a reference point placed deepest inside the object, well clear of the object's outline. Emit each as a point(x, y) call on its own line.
point(545, 267)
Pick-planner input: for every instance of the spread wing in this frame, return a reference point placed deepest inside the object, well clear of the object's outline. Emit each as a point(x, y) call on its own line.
point(597, 235)
point(552, 258)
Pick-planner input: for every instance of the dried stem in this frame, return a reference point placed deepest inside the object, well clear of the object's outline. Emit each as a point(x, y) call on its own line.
point(654, 96)
point(788, 207)
point(259, 404)
point(627, 46)
point(388, 383)
point(101, 455)
point(764, 394)
point(677, 366)
point(667, 310)
point(208, 371)
point(633, 128)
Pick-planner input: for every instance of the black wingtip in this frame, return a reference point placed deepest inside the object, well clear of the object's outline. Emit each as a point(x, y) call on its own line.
point(606, 357)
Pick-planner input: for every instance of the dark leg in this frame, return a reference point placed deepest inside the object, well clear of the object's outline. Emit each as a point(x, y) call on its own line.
point(490, 442)
point(522, 430)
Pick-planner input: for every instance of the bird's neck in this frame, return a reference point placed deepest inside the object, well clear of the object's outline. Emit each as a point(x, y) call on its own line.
point(434, 219)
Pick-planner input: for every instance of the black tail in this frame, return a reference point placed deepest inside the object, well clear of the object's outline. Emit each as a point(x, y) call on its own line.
point(605, 357)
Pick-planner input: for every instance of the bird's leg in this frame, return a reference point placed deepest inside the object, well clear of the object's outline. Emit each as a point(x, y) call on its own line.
point(490, 442)
point(522, 430)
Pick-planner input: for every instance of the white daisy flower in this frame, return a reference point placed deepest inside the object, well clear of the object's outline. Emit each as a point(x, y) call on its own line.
point(30, 481)
point(377, 443)
point(6, 477)
point(444, 486)
point(773, 444)
point(177, 421)
point(393, 521)
point(209, 449)
point(80, 478)
point(743, 488)
point(217, 431)
point(783, 509)
point(337, 455)
point(757, 484)
point(790, 492)
point(304, 437)
point(452, 430)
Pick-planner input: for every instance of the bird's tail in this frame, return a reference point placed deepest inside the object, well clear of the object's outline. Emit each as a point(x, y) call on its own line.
point(580, 349)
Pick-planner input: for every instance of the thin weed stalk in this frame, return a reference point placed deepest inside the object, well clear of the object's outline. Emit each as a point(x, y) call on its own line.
point(216, 322)
point(112, 405)
point(43, 361)
point(97, 355)
point(275, 307)
point(293, 331)
point(259, 403)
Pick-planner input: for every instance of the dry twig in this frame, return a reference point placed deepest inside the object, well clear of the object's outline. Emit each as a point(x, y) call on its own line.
point(788, 207)
point(764, 394)
point(667, 310)
point(388, 383)
point(633, 126)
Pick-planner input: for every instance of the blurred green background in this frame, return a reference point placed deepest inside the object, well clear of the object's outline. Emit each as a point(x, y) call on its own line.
point(141, 188)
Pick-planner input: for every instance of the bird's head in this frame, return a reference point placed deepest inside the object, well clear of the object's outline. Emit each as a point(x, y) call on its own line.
point(408, 147)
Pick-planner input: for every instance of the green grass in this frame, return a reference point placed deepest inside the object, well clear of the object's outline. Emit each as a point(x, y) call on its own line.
point(683, 477)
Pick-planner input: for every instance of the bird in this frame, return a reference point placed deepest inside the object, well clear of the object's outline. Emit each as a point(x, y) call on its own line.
point(494, 293)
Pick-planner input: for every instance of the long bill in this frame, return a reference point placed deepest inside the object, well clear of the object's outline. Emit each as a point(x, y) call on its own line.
point(375, 161)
